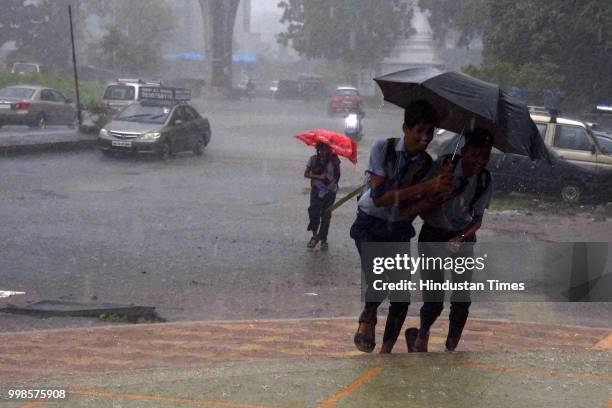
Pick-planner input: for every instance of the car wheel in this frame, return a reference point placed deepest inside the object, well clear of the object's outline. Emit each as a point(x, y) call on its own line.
point(165, 150)
point(41, 122)
point(571, 192)
point(198, 147)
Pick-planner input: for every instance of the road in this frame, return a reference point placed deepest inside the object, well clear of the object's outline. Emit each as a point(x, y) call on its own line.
point(222, 236)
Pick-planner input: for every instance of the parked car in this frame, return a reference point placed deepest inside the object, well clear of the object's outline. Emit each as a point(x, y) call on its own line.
point(26, 68)
point(156, 127)
point(123, 92)
point(571, 182)
point(345, 99)
point(35, 106)
point(572, 140)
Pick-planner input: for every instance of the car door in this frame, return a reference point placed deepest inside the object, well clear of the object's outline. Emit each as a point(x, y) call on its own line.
point(535, 175)
point(65, 111)
point(176, 129)
point(573, 143)
point(196, 127)
point(48, 107)
point(516, 172)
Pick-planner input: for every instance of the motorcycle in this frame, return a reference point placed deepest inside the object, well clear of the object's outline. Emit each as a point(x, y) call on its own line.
point(352, 125)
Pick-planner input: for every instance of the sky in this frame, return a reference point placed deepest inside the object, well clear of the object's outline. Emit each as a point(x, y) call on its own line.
point(265, 18)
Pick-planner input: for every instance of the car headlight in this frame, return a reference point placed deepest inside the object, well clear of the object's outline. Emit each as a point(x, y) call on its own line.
point(104, 133)
point(151, 136)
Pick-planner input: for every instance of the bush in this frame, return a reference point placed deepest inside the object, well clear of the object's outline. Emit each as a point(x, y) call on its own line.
point(89, 91)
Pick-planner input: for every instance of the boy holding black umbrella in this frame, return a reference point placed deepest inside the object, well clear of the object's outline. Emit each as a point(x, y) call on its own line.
point(449, 230)
point(396, 170)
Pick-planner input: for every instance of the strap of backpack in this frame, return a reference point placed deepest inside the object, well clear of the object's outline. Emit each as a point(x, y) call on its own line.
point(390, 159)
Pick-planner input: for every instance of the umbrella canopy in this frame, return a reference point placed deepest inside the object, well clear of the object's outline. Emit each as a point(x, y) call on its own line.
point(340, 145)
point(466, 103)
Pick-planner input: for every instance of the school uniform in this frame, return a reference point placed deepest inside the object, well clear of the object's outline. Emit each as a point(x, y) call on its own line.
point(321, 197)
point(384, 224)
point(469, 200)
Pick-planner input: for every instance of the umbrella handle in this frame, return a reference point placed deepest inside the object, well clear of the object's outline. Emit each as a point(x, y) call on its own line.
point(457, 145)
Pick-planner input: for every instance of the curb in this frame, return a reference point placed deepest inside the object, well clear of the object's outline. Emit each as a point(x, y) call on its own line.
point(56, 147)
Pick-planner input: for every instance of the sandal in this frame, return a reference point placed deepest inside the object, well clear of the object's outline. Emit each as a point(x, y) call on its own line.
point(365, 342)
point(324, 246)
point(312, 243)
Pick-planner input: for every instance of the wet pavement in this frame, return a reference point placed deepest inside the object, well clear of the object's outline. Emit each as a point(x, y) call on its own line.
point(308, 363)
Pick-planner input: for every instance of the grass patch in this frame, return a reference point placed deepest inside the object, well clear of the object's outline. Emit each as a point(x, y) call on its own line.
point(508, 203)
point(89, 91)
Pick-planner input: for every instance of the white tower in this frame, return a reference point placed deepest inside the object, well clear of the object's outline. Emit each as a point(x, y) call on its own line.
point(418, 50)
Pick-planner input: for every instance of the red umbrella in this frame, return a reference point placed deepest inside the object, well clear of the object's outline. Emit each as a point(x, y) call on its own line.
point(341, 145)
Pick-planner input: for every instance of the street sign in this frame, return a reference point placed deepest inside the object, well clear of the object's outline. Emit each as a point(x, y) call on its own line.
point(161, 93)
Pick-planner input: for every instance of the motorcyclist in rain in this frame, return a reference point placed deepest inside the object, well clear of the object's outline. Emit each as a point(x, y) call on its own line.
point(352, 124)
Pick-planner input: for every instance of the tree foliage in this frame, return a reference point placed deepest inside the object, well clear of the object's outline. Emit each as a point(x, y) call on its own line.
point(40, 30)
point(134, 35)
point(135, 32)
point(357, 32)
point(561, 42)
point(466, 17)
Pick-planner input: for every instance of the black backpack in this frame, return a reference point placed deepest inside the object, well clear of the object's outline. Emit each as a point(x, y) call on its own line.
point(390, 161)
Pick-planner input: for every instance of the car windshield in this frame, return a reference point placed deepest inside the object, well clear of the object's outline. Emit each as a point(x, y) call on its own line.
point(16, 92)
point(144, 113)
point(347, 92)
point(25, 68)
point(605, 143)
point(119, 93)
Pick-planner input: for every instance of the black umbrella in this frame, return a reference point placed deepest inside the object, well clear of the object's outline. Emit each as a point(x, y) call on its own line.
point(466, 103)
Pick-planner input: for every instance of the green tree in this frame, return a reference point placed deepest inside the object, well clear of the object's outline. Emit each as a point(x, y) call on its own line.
point(135, 35)
point(469, 18)
point(357, 32)
point(40, 30)
point(558, 43)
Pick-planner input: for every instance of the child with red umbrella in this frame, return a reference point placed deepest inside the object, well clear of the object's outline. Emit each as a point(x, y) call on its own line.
point(323, 170)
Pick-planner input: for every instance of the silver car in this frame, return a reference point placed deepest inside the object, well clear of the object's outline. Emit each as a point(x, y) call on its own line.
point(156, 127)
point(35, 106)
